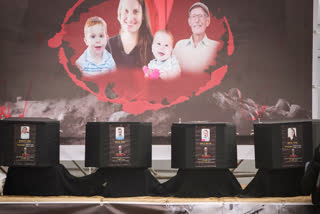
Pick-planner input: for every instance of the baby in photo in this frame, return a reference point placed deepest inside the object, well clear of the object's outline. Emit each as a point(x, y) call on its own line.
point(165, 65)
point(95, 59)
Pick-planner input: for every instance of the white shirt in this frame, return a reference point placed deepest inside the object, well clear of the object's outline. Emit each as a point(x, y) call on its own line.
point(195, 59)
point(24, 136)
point(169, 69)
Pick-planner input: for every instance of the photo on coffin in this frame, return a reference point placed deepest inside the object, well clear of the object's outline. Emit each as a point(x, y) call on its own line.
point(205, 135)
point(292, 135)
point(119, 133)
point(25, 133)
point(205, 152)
point(25, 152)
point(120, 150)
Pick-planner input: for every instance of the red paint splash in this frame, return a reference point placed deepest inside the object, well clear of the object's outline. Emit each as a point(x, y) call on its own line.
point(56, 41)
point(26, 101)
point(230, 40)
point(162, 9)
point(4, 111)
point(137, 101)
point(134, 92)
point(260, 111)
point(257, 114)
point(216, 78)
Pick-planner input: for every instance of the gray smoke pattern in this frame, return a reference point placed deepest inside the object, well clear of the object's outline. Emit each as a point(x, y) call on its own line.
point(246, 110)
point(73, 114)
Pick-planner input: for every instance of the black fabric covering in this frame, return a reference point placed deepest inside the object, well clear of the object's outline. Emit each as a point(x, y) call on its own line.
point(55, 181)
point(202, 183)
point(50, 181)
point(311, 177)
point(275, 183)
point(126, 182)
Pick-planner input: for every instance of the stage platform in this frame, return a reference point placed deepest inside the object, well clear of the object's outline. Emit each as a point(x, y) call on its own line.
point(154, 205)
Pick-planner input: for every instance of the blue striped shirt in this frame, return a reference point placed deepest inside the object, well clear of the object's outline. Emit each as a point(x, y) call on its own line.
point(88, 66)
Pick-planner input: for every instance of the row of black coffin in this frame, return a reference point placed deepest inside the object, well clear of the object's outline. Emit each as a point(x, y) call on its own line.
point(43, 176)
point(189, 148)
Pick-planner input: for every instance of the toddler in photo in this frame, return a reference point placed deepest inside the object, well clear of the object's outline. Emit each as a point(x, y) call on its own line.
point(95, 59)
point(165, 65)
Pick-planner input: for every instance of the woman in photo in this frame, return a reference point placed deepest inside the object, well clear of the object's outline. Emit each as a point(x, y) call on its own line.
point(132, 47)
point(292, 137)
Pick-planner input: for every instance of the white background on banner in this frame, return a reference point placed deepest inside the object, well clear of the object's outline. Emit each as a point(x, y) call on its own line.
point(159, 152)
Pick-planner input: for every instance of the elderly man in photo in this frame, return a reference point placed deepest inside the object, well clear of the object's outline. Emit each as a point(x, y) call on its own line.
point(196, 53)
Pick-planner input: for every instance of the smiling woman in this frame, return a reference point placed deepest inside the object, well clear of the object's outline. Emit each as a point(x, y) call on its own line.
point(132, 47)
